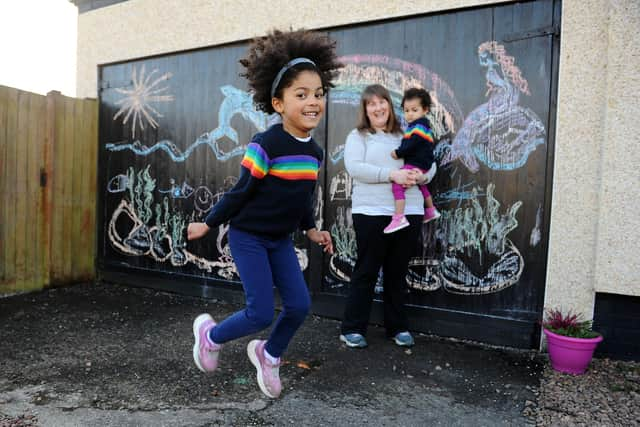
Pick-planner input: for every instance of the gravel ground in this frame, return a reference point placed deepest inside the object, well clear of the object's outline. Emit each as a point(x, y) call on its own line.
point(52, 375)
point(607, 395)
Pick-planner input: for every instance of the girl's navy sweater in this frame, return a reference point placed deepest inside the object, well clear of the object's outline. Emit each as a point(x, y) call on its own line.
point(274, 194)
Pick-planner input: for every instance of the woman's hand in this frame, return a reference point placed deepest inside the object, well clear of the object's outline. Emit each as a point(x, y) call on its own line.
point(421, 178)
point(394, 155)
point(322, 238)
point(196, 230)
point(404, 177)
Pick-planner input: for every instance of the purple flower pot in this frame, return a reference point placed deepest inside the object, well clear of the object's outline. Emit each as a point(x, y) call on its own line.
point(570, 355)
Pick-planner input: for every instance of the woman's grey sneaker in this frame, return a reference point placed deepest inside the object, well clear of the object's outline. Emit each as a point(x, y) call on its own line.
point(404, 339)
point(354, 340)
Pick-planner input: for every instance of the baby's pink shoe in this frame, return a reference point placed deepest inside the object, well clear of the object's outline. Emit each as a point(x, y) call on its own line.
point(398, 222)
point(430, 214)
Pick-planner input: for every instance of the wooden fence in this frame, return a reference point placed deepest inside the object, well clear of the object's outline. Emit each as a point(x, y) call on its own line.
point(48, 150)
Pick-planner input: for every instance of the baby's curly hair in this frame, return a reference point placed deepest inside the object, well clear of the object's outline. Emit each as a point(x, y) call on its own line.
point(267, 55)
point(417, 93)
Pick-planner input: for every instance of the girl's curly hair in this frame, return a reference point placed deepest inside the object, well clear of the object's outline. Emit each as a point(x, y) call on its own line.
point(267, 55)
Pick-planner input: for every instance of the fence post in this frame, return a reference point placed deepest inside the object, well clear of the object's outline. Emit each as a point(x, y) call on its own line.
point(48, 177)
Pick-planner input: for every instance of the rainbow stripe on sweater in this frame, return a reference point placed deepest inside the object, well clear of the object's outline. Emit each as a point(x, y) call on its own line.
point(298, 167)
point(256, 160)
point(421, 131)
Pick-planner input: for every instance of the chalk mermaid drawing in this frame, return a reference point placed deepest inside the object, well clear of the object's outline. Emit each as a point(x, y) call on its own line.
point(499, 133)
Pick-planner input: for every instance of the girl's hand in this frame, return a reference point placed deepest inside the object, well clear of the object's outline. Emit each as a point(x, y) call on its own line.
point(196, 230)
point(404, 177)
point(394, 155)
point(322, 238)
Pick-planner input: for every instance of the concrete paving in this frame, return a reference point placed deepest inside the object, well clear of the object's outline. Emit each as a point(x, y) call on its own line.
point(109, 355)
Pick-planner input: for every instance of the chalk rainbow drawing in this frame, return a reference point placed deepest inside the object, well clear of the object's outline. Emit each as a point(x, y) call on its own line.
point(397, 76)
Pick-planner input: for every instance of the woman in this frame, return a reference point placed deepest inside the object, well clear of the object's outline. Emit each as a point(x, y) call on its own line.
point(368, 160)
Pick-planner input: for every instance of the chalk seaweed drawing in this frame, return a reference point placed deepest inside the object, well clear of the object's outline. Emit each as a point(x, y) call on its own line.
point(236, 101)
point(536, 234)
point(131, 231)
point(340, 187)
point(481, 233)
point(137, 101)
point(499, 133)
point(318, 208)
point(343, 260)
point(397, 76)
point(162, 241)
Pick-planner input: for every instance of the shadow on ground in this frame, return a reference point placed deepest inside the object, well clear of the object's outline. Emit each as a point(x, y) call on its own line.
point(109, 355)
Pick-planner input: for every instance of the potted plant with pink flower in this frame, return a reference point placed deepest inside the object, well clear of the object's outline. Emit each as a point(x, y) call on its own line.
point(571, 341)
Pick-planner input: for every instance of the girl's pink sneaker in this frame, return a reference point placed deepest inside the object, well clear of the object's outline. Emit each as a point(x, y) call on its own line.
point(268, 373)
point(205, 353)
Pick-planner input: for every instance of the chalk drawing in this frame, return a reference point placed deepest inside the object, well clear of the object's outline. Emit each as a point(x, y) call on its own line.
point(137, 101)
point(340, 187)
point(396, 75)
point(536, 234)
point(343, 260)
point(499, 133)
point(138, 227)
point(235, 101)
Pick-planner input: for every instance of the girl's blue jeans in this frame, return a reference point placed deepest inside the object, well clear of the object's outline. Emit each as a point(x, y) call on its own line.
point(263, 263)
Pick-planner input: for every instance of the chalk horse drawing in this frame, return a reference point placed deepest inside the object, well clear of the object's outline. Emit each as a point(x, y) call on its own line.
point(499, 133)
point(223, 140)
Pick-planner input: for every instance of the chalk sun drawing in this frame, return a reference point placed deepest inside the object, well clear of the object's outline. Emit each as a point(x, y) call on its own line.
point(137, 101)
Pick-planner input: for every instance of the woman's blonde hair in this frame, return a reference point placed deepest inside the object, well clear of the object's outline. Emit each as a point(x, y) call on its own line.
point(393, 125)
